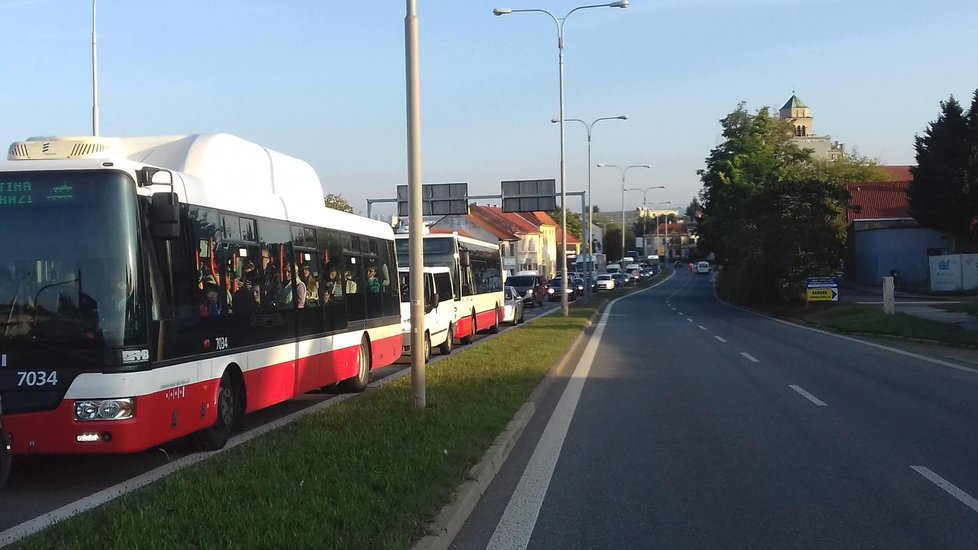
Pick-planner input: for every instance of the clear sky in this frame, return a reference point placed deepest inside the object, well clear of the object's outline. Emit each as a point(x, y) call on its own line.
point(324, 81)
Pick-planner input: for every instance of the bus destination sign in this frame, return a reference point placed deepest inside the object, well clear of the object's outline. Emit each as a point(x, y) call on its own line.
point(22, 193)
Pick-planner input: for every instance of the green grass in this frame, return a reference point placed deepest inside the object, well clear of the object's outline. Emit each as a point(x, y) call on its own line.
point(369, 472)
point(864, 319)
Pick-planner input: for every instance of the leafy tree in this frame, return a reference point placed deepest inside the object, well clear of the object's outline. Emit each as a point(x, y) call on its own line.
point(338, 202)
point(772, 214)
point(944, 191)
point(574, 225)
point(694, 208)
point(612, 241)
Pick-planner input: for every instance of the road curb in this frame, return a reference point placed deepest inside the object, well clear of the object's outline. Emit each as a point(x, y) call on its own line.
point(449, 521)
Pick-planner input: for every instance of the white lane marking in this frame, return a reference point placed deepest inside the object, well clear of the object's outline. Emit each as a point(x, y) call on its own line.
point(680, 313)
point(951, 489)
point(520, 517)
point(701, 327)
point(808, 396)
point(749, 356)
point(688, 319)
point(856, 340)
point(720, 339)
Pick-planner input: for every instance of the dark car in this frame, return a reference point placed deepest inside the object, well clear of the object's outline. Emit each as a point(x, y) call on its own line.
point(530, 287)
point(553, 290)
point(4, 452)
point(620, 280)
point(578, 284)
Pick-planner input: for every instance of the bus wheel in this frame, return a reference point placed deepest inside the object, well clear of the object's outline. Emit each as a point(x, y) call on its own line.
point(494, 329)
point(427, 347)
point(229, 409)
point(446, 347)
point(359, 382)
point(467, 339)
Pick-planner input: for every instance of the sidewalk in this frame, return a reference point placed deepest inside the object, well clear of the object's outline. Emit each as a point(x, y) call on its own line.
point(918, 305)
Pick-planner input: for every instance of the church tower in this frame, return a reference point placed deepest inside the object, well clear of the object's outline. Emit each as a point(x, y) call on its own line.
point(798, 114)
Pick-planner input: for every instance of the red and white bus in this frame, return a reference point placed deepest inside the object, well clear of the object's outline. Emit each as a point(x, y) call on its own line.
point(152, 288)
point(476, 268)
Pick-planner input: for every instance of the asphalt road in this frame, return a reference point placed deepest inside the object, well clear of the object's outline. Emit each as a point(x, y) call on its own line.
point(39, 485)
point(702, 426)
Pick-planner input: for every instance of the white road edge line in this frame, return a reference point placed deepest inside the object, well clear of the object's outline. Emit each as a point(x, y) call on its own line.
point(931, 360)
point(949, 487)
point(720, 339)
point(520, 517)
point(808, 396)
point(749, 356)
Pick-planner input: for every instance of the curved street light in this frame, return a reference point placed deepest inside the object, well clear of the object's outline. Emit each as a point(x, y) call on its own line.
point(645, 214)
point(590, 208)
point(654, 207)
point(623, 172)
point(559, 22)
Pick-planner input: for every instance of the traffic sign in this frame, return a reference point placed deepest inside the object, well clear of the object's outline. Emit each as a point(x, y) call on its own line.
point(529, 195)
point(437, 199)
point(822, 289)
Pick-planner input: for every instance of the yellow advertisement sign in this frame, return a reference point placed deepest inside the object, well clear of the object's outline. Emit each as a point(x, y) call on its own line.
point(823, 295)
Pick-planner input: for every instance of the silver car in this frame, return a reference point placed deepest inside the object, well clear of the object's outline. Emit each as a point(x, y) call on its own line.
point(513, 306)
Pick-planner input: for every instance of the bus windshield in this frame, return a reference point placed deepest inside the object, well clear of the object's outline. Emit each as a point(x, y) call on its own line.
point(438, 252)
point(69, 275)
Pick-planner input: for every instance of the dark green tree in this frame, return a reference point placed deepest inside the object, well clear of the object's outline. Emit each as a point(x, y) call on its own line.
point(574, 225)
point(771, 213)
point(612, 241)
point(944, 191)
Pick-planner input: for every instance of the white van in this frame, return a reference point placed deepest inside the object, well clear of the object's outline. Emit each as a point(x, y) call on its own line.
point(703, 267)
point(439, 310)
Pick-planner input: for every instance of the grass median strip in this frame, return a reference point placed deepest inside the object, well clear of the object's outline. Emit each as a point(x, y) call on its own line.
point(369, 472)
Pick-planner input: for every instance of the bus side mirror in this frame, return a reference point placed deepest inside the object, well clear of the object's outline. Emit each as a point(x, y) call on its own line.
point(463, 258)
point(165, 216)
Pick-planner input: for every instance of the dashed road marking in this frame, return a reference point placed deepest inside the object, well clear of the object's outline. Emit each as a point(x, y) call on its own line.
point(808, 396)
point(949, 487)
point(749, 356)
point(720, 339)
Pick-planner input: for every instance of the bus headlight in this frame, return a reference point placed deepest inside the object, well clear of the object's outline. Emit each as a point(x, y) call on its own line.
point(550, 291)
point(91, 410)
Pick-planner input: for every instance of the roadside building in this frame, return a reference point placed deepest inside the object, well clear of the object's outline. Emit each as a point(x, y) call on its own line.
point(883, 239)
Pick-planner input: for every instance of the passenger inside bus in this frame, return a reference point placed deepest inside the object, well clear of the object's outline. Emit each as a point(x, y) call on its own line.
point(312, 286)
point(350, 284)
point(333, 290)
point(373, 282)
point(294, 290)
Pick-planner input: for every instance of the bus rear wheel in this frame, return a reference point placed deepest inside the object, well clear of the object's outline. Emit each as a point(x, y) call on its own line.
point(359, 382)
point(230, 408)
point(446, 347)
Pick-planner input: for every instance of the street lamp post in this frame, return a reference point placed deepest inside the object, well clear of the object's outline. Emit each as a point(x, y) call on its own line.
point(623, 172)
point(655, 207)
point(559, 21)
point(645, 210)
point(590, 208)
